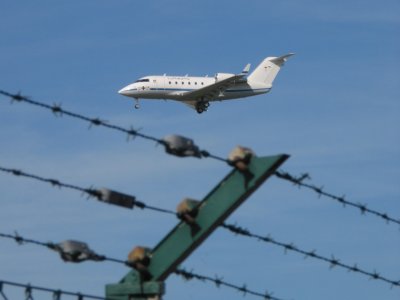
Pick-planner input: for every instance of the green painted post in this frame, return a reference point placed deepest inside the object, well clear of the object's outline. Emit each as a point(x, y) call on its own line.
point(232, 191)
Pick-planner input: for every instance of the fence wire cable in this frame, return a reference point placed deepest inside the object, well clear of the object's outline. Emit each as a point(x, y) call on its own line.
point(21, 241)
point(282, 175)
point(299, 181)
point(218, 281)
point(333, 261)
point(233, 228)
point(237, 230)
point(57, 110)
point(187, 275)
point(90, 192)
point(57, 293)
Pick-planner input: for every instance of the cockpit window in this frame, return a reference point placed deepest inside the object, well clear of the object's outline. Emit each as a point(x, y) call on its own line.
point(143, 80)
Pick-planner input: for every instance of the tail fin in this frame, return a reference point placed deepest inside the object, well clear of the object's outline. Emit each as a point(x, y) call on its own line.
point(268, 69)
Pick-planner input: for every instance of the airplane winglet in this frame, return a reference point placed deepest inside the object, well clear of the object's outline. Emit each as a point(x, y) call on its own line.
point(246, 69)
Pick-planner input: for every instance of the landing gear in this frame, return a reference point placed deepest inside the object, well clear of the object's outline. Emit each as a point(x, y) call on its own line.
point(137, 105)
point(202, 106)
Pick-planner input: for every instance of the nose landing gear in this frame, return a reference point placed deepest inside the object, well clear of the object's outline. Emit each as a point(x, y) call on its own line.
point(137, 105)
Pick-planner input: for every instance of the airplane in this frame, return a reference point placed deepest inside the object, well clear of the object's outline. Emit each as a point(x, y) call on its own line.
point(198, 92)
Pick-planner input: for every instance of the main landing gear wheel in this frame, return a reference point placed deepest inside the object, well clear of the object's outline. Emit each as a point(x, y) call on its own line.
point(202, 106)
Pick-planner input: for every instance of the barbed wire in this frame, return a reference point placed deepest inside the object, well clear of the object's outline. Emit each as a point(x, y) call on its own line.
point(57, 293)
point(57, 110)
point(333, 261)
point(54, 182)
point(218, 281)
point(299, 181)
point(66, 256)
point(282, 175)
point(90, 192)
point(235, 229)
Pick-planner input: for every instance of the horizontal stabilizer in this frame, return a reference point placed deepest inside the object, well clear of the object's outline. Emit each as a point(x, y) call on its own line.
point(281, 59)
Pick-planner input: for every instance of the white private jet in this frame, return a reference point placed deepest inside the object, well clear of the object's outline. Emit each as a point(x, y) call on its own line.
point(198, 92)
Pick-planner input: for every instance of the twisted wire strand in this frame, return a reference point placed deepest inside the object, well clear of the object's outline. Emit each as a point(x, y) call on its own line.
point(187, 275)
point(232, 228)
point(90, 192)
point(57, 110)
point(299, 181)
point(333, 261)
point(57, 293)
point(218, 281)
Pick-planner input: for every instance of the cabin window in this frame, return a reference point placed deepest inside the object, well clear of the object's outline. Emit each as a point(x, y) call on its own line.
point(169, 82)
point(202, 83)
point(176, 82)
point(182, 82)
point(195, 83)
point(189, 82)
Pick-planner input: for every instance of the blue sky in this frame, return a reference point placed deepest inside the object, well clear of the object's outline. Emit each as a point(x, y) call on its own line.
point(334, 108)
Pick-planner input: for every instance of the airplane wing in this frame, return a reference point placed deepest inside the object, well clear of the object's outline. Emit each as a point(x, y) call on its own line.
point(212, 91)
point(190, 103)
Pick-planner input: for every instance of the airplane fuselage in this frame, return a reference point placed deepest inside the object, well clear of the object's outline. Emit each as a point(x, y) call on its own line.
point(175, 87)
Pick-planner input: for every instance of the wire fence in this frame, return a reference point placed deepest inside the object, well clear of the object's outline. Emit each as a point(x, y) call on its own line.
point(219, 282)
point(90, 192)
point(57, 110)
point(28, 293)
point(90, 255)
point(131, 133)
point(333, 261)
point(299, 181)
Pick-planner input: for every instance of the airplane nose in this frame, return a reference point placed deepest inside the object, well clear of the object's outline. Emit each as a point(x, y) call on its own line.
point(123, 91)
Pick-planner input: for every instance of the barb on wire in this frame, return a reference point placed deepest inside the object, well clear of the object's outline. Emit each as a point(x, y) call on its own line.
point(218, 281)
point(333, 261)
point(299, 181)
point(103, 195)
point(3, 296)
point(57, 110)
point(28, 291)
